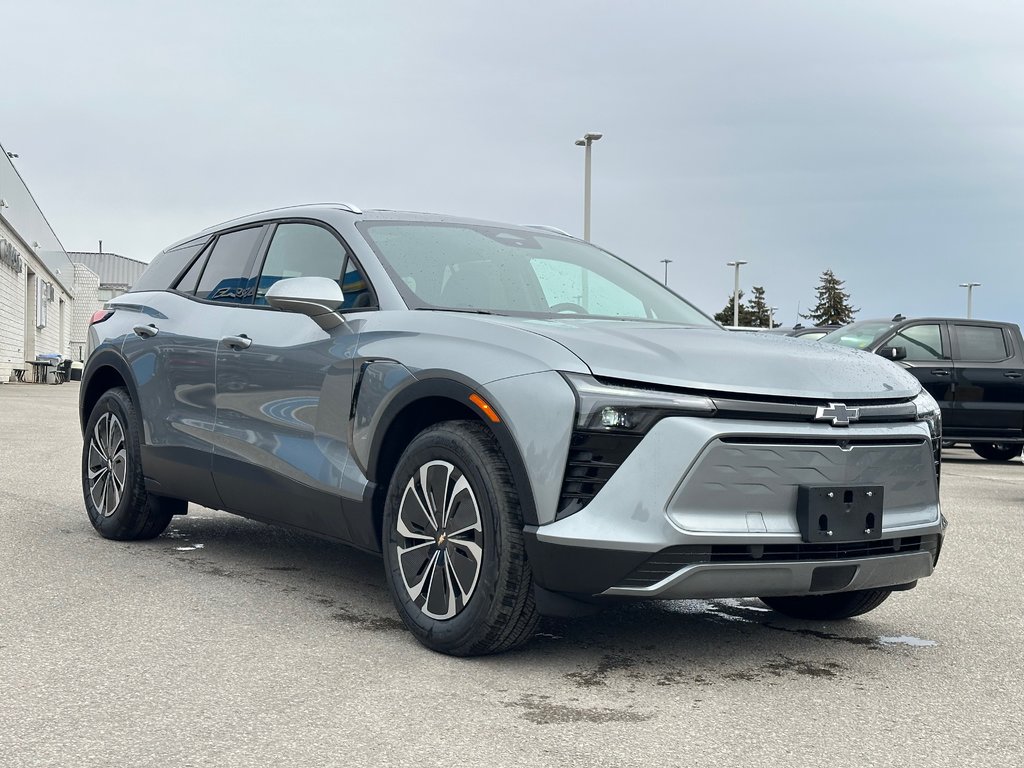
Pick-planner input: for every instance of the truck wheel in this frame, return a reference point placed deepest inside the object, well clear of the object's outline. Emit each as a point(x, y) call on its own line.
point(997, 451)
point(115, 493)
point(453, 546)
point(840, 605)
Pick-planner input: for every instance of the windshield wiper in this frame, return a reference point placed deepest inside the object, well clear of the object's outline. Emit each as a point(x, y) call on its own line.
point(468, 310)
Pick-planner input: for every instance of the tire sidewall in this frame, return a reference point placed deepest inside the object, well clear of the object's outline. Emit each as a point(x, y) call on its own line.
point(116, 402)
point(453, 446)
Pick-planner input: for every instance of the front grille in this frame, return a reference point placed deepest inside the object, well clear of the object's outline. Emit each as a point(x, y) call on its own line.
point(593, 459)
point(669, 561)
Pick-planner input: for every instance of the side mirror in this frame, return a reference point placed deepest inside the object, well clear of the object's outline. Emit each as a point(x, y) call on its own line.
point(317, 297)
point(893, 353)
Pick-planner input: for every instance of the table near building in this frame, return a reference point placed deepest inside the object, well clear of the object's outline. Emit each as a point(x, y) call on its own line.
point(39, 370)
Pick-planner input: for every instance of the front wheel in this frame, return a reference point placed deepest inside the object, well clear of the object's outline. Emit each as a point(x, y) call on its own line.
point(997, 451)
point(453, 546)
point(840, 605)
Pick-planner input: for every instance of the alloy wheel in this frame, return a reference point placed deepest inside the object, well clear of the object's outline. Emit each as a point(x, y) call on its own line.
point(440, 539)
point(108, 463)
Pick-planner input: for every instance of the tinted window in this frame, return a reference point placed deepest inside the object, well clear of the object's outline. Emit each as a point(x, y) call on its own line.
point(188, 281)
point(922, 342)
point(307, 250)
point(227, 270)
point(980, 342)
point(166, 267)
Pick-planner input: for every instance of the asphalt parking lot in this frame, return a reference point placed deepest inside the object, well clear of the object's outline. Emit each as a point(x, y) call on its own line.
point(230, 643)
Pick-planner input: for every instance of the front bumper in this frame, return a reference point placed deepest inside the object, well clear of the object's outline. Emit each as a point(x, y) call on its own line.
point(707, 508)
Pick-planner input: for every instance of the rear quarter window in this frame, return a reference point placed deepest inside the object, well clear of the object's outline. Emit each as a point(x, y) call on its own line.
point(163, 271)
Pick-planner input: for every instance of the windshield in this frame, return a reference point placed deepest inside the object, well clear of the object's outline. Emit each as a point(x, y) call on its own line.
point(858, 335)
point(518, 271)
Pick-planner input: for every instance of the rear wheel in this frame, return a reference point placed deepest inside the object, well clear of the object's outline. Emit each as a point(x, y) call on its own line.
point(453, 544)
point(997, 451)
point(115, 493)
point(840, 605)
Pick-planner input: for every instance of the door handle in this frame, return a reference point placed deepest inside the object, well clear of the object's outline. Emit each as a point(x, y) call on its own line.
point(1012, 375)
point(940, 372)
point(241, 341)
point(146, 331)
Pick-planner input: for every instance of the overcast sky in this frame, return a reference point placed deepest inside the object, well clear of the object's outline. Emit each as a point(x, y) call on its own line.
point(882, 140)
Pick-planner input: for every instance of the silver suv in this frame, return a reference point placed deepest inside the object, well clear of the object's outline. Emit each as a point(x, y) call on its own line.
point(520, 422)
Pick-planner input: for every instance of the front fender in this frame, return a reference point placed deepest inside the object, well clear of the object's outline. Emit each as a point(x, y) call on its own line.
point(387, 392)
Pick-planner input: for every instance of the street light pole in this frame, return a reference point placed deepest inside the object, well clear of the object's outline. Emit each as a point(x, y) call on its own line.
point(588, 139)
point(970, 290)
point(666, 262)
point(736, 292)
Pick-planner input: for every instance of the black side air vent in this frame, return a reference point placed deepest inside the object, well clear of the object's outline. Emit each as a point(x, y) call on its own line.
point(593, 459)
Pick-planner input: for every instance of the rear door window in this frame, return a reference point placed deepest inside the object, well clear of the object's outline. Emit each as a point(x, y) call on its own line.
point(980, 343)
point(226, 275)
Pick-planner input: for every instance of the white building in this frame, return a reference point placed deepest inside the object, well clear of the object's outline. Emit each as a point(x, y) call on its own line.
point(36, 278)
point(99, 277)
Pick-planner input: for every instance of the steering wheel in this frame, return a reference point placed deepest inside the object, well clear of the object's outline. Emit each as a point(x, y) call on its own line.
point(568, 306)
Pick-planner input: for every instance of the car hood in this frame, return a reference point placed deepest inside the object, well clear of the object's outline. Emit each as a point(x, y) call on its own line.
point(725, 361)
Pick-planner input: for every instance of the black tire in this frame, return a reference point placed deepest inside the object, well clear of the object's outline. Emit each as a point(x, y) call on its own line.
point(839, 605)
point(997, 451)
point(112, 483)
point(496, 612)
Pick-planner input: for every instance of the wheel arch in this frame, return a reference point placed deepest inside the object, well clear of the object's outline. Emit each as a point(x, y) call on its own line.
point(103, 371)
point(431, 400)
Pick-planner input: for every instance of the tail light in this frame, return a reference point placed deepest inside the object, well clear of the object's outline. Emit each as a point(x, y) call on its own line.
point(100, 315)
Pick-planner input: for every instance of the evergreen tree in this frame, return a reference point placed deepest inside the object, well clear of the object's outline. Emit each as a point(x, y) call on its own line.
point(757, 308)
point(833, 307)
point(746, 318)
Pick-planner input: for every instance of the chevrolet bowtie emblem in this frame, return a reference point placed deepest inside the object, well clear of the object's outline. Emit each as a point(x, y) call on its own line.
point(838, 414)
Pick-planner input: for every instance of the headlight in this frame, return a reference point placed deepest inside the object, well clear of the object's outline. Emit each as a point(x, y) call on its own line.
point(928, 412)
point(611, 408)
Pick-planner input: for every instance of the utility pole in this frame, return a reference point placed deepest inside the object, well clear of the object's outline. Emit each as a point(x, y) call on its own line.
point(970, 290)
point(736, 292)
point(666, 262)
point(588, 139)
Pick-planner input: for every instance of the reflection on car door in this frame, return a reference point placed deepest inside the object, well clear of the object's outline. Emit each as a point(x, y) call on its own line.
point(284, 389)
point(172, 353)
point(989, 387)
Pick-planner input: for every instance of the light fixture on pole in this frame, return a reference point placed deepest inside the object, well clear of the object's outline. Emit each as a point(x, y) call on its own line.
point(666, 262)
point(970, 290)
point(588, 139)
point(13, 155)
point(736, 292)
point(771, 317)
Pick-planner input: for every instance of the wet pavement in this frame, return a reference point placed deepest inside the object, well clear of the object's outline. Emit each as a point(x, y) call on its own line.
point(226, 642)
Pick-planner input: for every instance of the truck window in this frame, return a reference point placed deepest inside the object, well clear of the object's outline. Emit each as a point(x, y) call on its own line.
point(923, 342)
point(980, 342)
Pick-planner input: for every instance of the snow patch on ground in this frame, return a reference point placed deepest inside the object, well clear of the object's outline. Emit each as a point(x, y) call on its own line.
point(916, 642)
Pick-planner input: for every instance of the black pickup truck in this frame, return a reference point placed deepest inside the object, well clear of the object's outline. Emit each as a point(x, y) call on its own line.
point(974, 368)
